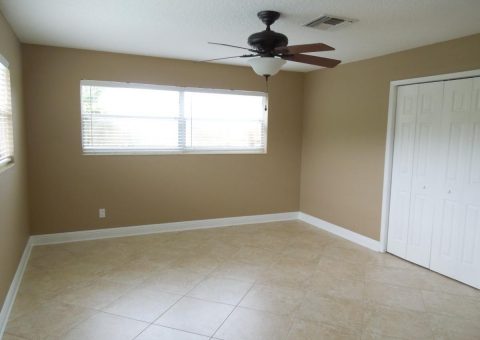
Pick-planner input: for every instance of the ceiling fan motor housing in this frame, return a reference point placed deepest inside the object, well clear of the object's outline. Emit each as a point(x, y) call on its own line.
point(266, 41)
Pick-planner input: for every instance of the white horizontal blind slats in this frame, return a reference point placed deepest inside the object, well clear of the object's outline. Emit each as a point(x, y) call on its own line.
point(6, 120)
point(224, 121)
point(132, 119)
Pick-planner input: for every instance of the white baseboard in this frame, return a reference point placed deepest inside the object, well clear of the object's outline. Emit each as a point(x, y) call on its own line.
point(159, 228)
point(12, 292)
point(342, 232)
point(97, 234)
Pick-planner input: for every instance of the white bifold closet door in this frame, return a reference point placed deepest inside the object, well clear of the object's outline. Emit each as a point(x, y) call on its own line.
point(435, 194)
point(415, 171)
point(456, 236)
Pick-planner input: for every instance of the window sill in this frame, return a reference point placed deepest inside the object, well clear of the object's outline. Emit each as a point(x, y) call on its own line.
point(160, 153)
point(5, 166)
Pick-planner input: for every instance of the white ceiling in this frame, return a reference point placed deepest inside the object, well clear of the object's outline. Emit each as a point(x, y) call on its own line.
point(181, 28)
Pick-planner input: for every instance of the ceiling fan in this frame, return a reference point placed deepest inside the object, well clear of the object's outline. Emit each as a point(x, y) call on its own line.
point(270, 50)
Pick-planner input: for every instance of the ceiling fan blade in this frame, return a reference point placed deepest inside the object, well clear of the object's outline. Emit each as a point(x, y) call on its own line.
point(243, 48)
point(312, 60)
point(236, 56)
point(304, 48)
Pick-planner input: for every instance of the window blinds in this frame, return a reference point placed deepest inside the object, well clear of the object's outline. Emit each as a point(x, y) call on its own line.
point(6, 129)
point(135, 118)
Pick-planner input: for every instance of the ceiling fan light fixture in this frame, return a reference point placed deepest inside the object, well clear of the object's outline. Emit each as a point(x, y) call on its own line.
point(266, 66)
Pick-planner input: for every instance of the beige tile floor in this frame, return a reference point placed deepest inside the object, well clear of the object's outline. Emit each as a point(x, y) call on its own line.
point(283, 280)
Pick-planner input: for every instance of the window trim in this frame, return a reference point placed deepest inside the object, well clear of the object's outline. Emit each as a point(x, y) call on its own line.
point(4, 62)
point(181, 89)
point(8, 162)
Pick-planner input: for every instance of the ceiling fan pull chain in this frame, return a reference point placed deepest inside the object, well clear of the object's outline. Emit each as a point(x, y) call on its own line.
point(266, 88)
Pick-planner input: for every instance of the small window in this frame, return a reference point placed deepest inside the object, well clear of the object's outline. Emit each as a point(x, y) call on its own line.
point(124, 118)
point(6, 121)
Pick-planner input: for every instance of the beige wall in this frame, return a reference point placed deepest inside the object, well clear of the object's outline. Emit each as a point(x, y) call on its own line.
point(67, 189)
point(13, 193)
point(345, 119)
point(345, 113)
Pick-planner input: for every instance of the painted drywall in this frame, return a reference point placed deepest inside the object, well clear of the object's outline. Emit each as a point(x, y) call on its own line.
point(345, 119)
point(13, 180)
point(67, 188)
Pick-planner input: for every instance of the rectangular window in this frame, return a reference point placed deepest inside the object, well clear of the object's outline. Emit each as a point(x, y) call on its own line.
point(6, 121)
point(126, 118)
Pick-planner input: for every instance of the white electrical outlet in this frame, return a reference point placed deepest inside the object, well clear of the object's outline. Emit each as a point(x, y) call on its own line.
point(102, 213)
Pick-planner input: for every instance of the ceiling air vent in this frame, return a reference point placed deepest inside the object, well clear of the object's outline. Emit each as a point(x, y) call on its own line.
point(330, 23)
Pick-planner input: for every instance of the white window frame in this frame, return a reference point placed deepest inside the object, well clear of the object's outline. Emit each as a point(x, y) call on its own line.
point(9, 161)
point(182, 90)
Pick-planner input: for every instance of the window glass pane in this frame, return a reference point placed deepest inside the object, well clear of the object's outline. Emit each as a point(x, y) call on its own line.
point(130, 101)
point(137, 118)
point(231, 107)
point(104, 132)
point(224, 121)
point(209, 134)
point(6, 121)
point(4, 90)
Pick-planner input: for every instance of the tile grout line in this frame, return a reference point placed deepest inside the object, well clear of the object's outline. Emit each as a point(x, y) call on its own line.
point(169, 327)
point(257, 283)
point(293, 318)
point(97, 310)
point(163, 313)
point(132, 287)
point(180, 298)
point(235, 308)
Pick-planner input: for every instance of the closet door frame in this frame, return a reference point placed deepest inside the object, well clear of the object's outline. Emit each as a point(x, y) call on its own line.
point(389, 145)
